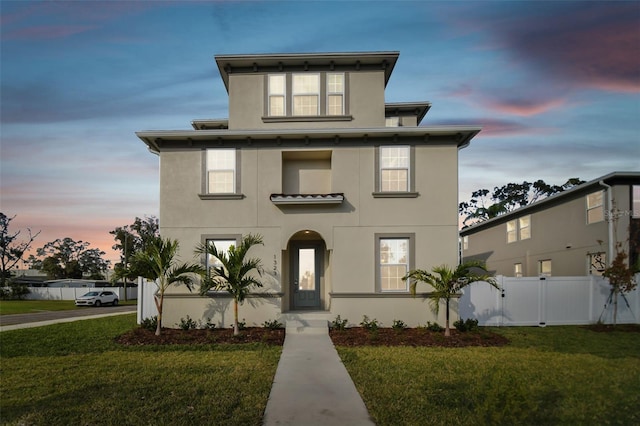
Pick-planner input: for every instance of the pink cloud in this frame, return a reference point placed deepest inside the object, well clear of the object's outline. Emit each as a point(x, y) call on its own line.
point(523, 107)
point(47, 32)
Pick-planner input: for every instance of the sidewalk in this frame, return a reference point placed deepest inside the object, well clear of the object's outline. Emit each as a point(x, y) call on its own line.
point(312, 387)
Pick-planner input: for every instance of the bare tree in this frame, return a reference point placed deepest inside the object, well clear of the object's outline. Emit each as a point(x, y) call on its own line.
point(12, 249)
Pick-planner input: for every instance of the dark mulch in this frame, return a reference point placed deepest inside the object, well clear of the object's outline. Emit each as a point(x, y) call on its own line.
point(169, 336)
point(608, 328)
point(357, 336)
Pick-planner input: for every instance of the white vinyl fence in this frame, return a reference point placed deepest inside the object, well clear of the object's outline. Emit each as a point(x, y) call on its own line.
point(544, 301)
point(69, 293)
point(146, 305)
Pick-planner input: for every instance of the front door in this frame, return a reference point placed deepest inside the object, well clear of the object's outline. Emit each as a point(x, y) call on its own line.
point(306, 261)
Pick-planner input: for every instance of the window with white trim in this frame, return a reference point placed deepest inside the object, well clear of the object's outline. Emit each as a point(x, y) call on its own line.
point(277, 90)
point(335, 94)
point(394, 259)
point(306, 94)
point(519, 229)
point(544, 268)
point(221, 171)
point(595, 207)
point(394, 168)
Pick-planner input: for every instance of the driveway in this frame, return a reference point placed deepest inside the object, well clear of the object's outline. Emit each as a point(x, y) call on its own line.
point(9, 322)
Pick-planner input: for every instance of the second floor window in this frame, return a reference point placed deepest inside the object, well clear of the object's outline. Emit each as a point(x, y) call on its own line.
point(277, 95)
point(595, 207)
point(519, 229)
point(394, 168)
point(335, 94)
point(221, 171)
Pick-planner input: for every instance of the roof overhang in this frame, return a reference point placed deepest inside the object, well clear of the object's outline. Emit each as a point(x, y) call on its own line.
point(157, 140)
point(283, 62)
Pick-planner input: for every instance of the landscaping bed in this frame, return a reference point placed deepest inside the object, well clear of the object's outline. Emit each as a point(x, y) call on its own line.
point(359, 336)
point(170, 336)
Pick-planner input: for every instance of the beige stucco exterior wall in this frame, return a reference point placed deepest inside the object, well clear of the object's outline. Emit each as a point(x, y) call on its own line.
point(348, 230)
point(247, 103)
point(559, 233)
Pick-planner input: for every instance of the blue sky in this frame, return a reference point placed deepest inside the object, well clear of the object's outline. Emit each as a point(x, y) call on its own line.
point(555, 86)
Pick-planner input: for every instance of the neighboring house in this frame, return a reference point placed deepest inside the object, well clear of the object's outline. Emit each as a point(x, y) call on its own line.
point(567, 234)
point(348, 192)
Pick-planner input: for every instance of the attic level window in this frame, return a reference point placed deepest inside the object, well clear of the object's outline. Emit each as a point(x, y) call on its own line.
point(306, 96)
point(392, 122)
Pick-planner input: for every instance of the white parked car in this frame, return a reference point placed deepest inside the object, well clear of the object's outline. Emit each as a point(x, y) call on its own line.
point(97, 298)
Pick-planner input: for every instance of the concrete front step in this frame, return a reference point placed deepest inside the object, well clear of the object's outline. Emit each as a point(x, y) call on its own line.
point(307, 326)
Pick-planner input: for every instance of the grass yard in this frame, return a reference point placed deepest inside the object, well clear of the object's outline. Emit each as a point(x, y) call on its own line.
point(74, 373)
point(8, 307)
point(552, 375)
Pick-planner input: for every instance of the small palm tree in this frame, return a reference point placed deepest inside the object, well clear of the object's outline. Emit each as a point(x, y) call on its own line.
point(159, 263)
point(234, 273)
point(448, 282)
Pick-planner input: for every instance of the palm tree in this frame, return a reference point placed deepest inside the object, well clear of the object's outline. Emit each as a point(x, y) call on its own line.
point(234, 273)
point(159, 263)
point(448, 282)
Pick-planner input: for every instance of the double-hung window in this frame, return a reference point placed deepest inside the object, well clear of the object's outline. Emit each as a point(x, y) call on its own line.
point(635, 201)
point(306, 94)
point(519, 229)
point(222, 245)
point(394, 260)
point(335, 94)
point(544, 267)
point(595, 207)
point(394, 168)
point(277, 90)
point(221, 171)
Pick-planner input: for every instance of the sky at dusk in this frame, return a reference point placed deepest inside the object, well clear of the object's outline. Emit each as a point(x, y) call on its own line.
point(554, 85)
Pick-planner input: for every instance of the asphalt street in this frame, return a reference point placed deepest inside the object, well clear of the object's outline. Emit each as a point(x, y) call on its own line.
point(50, 317)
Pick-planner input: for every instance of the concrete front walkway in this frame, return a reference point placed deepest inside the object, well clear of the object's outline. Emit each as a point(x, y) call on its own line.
point(311, 386)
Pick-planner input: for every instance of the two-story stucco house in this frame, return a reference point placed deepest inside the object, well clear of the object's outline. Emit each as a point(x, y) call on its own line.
point(347, 191)
point(569, 234)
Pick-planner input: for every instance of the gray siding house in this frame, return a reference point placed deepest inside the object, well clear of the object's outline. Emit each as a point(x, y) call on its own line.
point(349, 192)
point(569, 234)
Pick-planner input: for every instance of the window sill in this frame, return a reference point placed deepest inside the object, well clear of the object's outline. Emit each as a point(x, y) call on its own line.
point(305, 199)
point(395, 194)
point(306, 118)
point(221, 196)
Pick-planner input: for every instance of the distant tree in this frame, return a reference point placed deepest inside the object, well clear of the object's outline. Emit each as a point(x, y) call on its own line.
point(66, 258)
point(131, 239)
point(234, 275)
point(12, 250)
point(447, 283)
point(485, 204)
point(159, 262)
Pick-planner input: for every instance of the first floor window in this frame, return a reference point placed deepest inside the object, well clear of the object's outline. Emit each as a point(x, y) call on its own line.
point(544, 267)
point(595, 207)
point(465, 242)
point(394, 168)
point(517, 270)
point(394, 254)
point(222, 246)
point(597, 263)
point(221, 171)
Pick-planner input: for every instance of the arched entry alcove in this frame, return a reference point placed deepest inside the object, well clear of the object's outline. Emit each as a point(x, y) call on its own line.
point(307, 260)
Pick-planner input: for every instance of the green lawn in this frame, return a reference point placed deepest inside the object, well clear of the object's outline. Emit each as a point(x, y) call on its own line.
point(552, 375)
point(8, 307)
point(74, 373)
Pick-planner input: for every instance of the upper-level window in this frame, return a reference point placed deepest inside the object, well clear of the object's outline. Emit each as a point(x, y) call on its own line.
point(595, 207)
point(519, 229)
point(277, 95)
point(392, 121)
point(394, 168)
point(306, 94)
point(335, 94)
point(635, 202)
point(221, 171)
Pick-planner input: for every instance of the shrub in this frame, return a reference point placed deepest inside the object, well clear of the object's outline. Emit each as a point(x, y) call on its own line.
point(208, 325)
point(272, 325)
point(241, 324)
point(370, 325)
point(187, 324)
point(150, 323)
point(466, 325)
point(398, 325)
point(434, 327)
point(339, 323)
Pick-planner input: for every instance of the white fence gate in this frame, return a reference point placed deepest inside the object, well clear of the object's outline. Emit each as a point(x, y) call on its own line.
point(146, 304)
point(547, 301)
